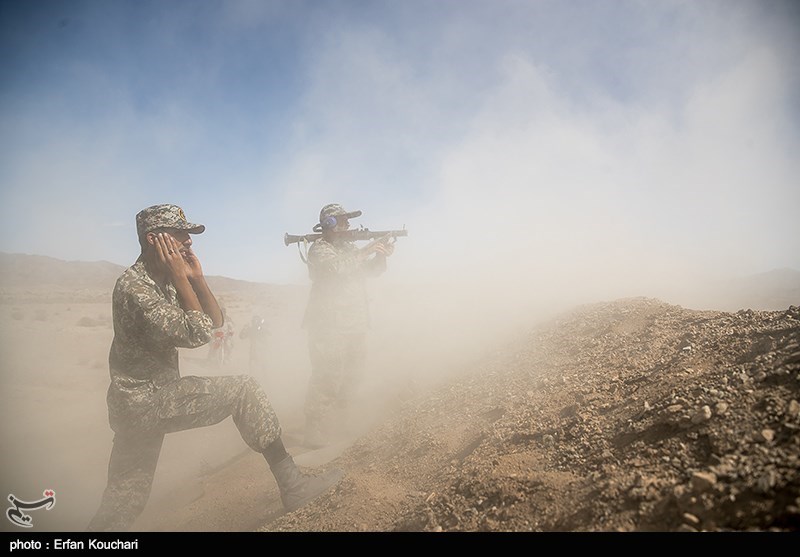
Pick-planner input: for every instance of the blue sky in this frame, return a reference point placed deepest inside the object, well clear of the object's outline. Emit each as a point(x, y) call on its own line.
point(627, 141)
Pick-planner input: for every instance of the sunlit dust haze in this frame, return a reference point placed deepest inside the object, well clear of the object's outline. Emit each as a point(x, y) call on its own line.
point(540, 154)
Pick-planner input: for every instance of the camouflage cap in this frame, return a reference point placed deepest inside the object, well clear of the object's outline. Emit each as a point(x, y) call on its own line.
point(165, 216)
point(336, 210)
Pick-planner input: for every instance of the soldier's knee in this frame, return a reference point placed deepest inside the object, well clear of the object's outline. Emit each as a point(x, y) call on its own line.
point(250, 385)
point(250, 382)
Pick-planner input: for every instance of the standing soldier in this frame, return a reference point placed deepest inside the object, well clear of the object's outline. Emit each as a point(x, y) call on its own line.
point(160, 303)
point(257, 332)
point(337, 319)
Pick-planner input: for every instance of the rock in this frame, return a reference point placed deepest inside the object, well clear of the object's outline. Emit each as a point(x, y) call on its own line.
point(690, 519)
point(702, 415)
point(765, 435)
point(703, 481)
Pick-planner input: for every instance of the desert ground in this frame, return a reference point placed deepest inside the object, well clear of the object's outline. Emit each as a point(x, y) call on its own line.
point(631, 414)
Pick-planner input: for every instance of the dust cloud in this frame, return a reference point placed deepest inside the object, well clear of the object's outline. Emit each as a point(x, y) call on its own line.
point(460, 286)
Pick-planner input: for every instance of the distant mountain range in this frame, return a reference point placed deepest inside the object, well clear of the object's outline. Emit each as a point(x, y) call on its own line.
point(23, 271)
point(772, 290)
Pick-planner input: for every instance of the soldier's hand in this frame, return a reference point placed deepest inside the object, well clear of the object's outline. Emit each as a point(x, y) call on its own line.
point(193, 264)
point(170, 256)
point(384, 248)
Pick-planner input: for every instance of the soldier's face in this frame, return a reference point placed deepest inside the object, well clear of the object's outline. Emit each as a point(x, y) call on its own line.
point(181, 236)
point(342, 224)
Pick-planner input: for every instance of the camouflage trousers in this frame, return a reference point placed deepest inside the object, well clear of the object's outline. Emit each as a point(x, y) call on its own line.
point(337, 368)
point(187, 403)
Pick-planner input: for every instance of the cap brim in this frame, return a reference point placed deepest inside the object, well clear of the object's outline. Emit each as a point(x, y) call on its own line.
point(194, 228)
point(352, 215)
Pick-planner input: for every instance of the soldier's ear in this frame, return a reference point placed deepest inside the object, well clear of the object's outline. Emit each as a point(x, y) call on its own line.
point(151, 238)
point(329, 223)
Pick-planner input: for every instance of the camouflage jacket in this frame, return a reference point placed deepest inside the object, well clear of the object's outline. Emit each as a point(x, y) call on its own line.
point(149, 327)
point(338, 298)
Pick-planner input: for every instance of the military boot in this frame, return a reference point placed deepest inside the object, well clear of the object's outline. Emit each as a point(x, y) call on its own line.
point(298, 488)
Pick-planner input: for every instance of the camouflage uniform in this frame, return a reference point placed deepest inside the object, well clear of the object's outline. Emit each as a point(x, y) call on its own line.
point(148, 398)
point(337, 319)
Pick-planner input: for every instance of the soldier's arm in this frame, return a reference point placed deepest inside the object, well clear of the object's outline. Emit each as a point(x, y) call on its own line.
point(327, 261)
point(207, 300)
point(189, 281)
point(377, 264)
point(166, 324)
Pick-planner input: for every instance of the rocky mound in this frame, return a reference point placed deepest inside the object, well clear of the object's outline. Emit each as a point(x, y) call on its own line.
point(633, 415)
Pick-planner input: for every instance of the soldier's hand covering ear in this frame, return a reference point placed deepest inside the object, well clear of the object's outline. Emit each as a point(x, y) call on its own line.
point(169, 255)
point(193, 263)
